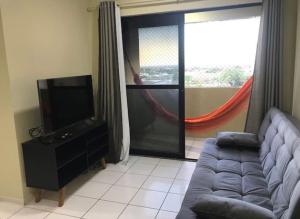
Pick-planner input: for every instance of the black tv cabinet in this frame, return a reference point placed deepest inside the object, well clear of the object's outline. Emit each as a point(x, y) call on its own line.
point(51, 166)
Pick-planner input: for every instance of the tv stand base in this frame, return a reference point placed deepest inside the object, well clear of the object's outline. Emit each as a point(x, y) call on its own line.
point(52, 166)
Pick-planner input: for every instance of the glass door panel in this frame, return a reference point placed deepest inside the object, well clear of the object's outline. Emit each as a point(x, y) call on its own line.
point(152, 130)
point(154, 76)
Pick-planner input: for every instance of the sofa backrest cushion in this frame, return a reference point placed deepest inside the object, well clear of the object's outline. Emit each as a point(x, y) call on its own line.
point(280, 158)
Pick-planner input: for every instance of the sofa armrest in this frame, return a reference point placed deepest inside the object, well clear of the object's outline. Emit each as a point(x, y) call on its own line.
point(237, 139)
point(216, 207)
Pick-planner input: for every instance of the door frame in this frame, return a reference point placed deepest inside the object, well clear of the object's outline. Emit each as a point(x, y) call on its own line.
point(181, 62)
point(158, 20)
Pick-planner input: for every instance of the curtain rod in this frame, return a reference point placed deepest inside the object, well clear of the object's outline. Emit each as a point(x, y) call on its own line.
point(144, 4)
point(95, 8)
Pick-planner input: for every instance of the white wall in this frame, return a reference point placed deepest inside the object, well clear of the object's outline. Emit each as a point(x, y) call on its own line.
point(296, 102)
point(54, 38)
point(10, 171)
point(43, 39)
point(289, 44)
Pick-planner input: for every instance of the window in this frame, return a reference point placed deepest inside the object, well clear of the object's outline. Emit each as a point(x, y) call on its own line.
point(220, 52)
point(158, 50)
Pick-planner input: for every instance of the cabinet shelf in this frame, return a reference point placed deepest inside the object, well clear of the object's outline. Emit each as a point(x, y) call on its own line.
point(71, 170)
point(66, 162)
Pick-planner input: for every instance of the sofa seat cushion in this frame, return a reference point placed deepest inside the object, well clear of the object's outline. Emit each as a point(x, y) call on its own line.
point(228, 172)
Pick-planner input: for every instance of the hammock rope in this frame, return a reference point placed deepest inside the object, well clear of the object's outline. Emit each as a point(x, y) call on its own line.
point(241, 96)
point(237, 103)
point(230, 109)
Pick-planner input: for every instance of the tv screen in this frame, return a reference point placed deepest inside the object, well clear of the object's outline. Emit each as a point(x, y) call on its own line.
point(65, 101)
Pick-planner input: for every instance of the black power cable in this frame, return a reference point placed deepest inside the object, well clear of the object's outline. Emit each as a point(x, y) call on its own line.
point(35, 132)
point(38, 133)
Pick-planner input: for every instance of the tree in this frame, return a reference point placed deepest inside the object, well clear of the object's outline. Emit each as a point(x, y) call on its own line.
point(235, 76)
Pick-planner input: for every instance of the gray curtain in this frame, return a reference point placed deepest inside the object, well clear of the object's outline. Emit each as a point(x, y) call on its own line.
point(110, 108)
point(267, 87)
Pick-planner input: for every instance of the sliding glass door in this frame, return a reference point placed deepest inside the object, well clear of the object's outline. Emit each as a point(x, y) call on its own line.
point(153, 48)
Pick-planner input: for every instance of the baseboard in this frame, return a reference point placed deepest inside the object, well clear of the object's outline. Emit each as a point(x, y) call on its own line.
point(14, 200)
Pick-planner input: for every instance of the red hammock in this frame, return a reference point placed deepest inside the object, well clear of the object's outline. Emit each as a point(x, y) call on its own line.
point(219, 116)
point(225, 112)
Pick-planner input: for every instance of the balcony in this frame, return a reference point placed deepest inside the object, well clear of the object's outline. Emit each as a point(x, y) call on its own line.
point(200, 101)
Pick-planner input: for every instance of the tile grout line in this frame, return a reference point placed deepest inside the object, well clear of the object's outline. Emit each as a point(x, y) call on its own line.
point(97, 199)
point(47, 215)
point(17, 212)
point(123, 173)
point(111, 185)
point(63, 215)
point(53, 211)
point(140, 189)
point(169, 189)
point(24, 207)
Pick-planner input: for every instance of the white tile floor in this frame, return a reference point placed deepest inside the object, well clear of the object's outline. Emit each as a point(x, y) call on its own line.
point(144, 188)
point(193, 147)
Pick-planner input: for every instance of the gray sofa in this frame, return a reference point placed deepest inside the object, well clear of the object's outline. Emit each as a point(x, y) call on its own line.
point(267, 178)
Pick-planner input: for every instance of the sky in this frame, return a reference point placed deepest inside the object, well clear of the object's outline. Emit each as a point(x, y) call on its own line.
point(221, 43)
point(216, 43)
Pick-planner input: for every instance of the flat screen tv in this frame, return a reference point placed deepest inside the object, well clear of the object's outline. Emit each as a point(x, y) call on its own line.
point(65, 101)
